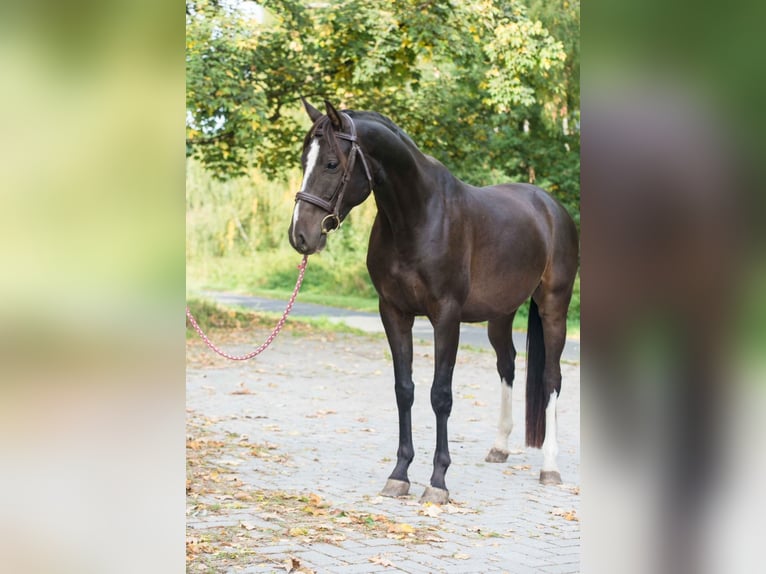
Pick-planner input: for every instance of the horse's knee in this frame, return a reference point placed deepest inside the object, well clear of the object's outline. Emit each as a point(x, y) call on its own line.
point(405, 394)
point(441, 399)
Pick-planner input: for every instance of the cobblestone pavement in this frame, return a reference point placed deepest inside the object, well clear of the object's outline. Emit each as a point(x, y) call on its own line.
point(324, 406)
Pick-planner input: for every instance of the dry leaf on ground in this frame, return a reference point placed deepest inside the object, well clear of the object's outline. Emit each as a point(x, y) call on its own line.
point(381, 561)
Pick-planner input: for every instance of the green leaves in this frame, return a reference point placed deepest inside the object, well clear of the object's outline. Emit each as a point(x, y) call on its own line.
point(522, 56)
point(462, 78)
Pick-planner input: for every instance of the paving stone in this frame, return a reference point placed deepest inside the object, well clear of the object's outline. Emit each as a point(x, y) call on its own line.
point(345, 457)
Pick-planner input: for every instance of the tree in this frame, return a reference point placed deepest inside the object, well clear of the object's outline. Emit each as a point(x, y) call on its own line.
point(485, 86)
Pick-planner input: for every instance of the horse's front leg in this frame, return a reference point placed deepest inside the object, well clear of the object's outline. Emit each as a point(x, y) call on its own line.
point(446, 337)
point(398, 327)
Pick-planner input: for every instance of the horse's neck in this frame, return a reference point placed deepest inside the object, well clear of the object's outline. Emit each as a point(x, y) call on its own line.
point(408, 193)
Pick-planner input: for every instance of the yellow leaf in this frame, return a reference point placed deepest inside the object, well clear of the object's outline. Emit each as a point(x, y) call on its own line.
point(461, 556)
point(401, 528)
point(315, 499)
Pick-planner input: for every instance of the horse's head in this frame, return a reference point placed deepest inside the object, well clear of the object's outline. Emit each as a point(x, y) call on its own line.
point(336, 178)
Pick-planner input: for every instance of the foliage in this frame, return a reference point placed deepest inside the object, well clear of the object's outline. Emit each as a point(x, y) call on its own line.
point(462, 78)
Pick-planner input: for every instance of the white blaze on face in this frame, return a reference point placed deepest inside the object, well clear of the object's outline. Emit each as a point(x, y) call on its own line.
point(550, 446)
point(311, 161)
point(505, 425)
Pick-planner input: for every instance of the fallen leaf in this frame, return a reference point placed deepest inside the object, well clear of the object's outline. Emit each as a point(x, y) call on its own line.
point(452, 508)
point(247, 525)
point(401, 528)
point(431, 538)
point(381, 561)
point(315, 499)
point(460, 556)
point(430, 509)
point(565, 514)
point(321, 414)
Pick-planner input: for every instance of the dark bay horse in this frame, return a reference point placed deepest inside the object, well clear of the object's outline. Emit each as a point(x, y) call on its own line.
point(452, 252)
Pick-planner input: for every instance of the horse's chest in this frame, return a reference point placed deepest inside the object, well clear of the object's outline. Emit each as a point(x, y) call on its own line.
point(404, 285)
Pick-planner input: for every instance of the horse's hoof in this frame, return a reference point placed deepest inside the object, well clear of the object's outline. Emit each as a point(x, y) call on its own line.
point(497, 455)
point(548, 477)
point(435, 495)
point(395, 488)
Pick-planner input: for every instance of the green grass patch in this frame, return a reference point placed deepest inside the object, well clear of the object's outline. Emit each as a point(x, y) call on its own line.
point(210, 315)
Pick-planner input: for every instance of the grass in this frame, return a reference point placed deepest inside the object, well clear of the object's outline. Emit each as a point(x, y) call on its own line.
point(210, 315)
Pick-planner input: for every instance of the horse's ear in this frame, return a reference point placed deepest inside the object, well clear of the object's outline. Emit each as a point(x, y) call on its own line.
point(334, 116)
point(313, 113)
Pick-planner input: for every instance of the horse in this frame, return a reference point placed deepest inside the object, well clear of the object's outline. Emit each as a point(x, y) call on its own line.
point(455, 253)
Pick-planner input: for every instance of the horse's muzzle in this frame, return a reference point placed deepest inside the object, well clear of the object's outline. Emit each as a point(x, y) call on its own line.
point(306, 245)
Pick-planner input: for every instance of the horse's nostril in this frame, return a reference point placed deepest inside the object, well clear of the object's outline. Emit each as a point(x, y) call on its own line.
point(301, 243)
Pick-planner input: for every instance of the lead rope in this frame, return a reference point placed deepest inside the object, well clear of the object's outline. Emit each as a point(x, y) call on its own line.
point(274, 332)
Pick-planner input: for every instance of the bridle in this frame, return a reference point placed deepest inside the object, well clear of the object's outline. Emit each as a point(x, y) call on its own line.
point(332, 221)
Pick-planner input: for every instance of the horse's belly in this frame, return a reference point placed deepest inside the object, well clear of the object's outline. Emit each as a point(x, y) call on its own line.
point(489, 299)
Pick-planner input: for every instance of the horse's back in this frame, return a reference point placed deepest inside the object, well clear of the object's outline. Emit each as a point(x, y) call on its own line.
point(521, 211)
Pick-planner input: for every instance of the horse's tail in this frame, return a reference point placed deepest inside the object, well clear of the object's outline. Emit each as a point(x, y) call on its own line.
point(535, 388)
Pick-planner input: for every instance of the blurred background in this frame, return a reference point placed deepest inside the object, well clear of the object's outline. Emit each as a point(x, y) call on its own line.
point(672, 270)
point(92, 286)
point(95, 102)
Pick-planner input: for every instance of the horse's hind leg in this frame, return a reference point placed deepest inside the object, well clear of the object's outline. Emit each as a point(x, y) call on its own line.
point(553, 312)
point(500, 337)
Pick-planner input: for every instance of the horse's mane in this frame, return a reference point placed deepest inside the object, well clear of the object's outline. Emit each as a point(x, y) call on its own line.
point(380, 118)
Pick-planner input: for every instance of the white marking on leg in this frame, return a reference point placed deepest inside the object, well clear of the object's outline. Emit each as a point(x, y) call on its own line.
point(505, 425)
point(311, 161)
point(550, 446)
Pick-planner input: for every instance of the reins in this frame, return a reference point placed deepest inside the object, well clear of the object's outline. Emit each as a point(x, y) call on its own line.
point(332, 207)
point(274, 332)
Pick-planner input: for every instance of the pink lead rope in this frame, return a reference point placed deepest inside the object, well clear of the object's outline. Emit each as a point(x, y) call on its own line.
point(274, 333)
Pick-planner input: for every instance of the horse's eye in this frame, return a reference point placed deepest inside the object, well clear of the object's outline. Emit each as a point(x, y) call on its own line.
point(332, 164)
